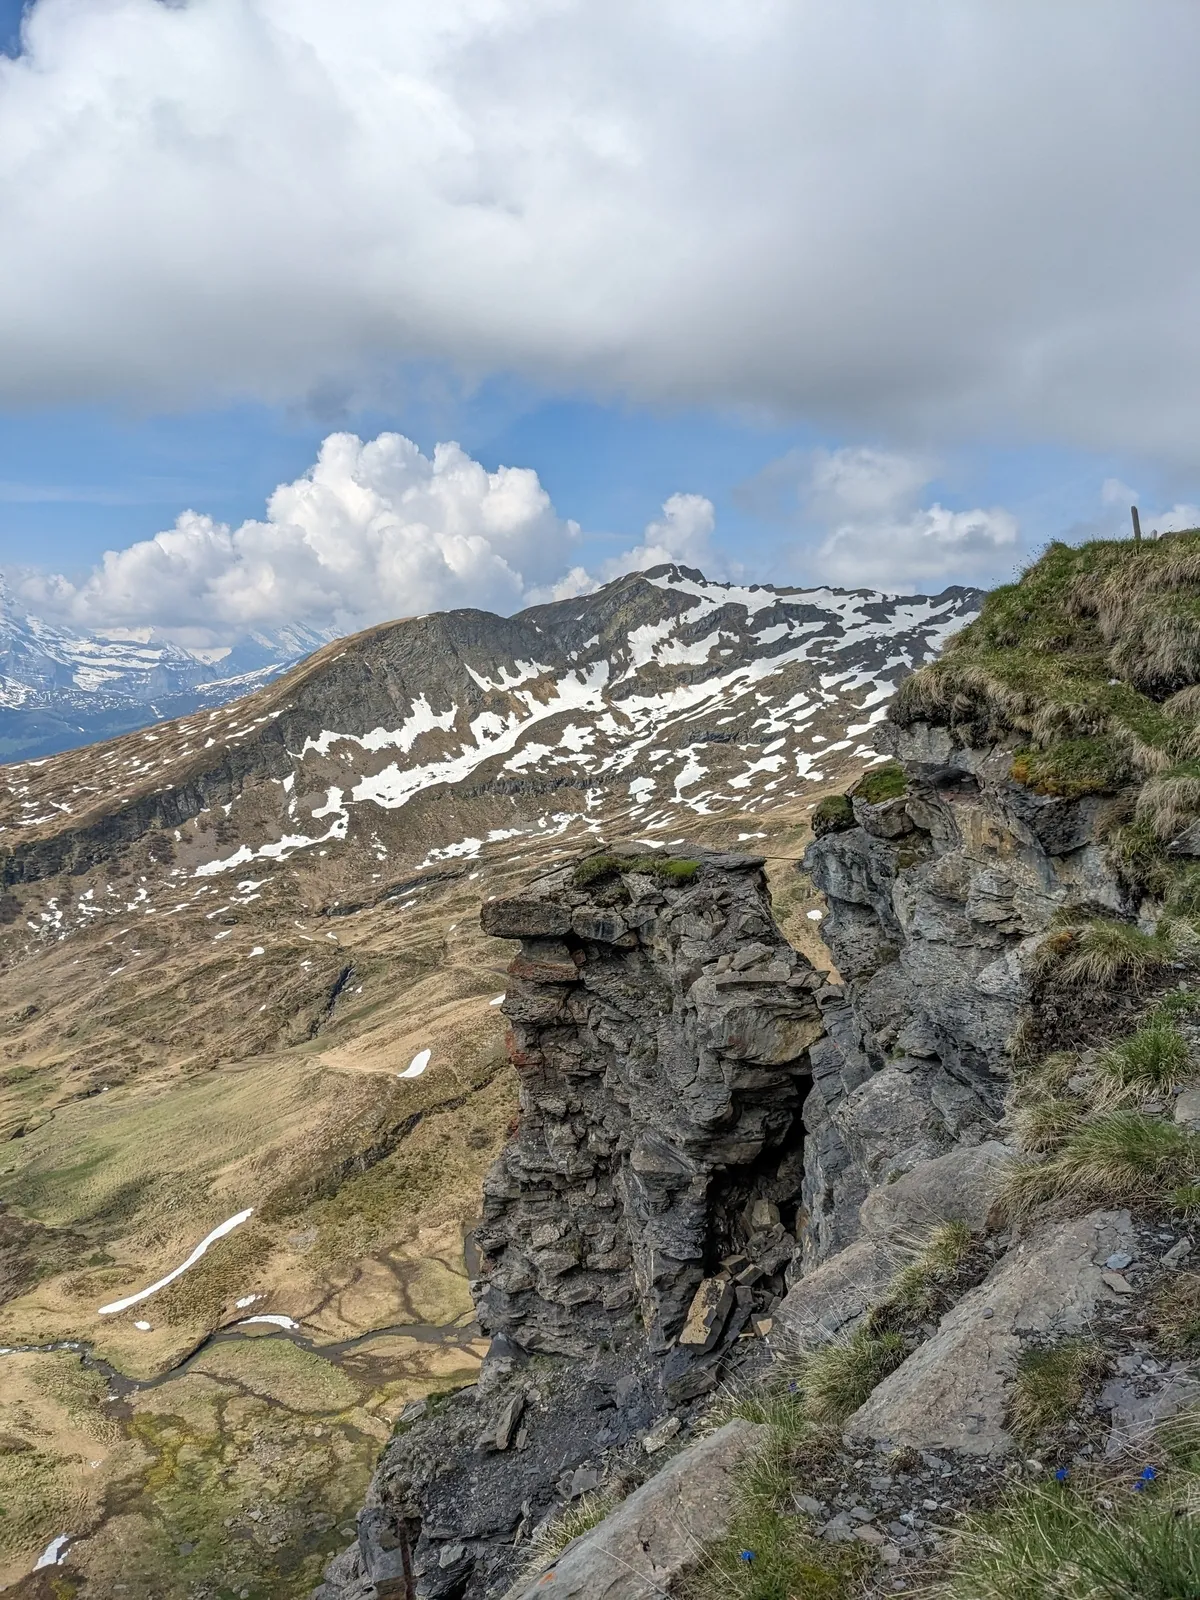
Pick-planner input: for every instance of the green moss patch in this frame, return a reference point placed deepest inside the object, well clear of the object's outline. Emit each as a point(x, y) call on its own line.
point(595, 869)
point(887, 782)
point(834, 814)
point(1072, 768)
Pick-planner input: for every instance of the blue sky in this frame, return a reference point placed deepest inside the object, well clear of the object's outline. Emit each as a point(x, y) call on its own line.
point(74, 483)
point(866, 295)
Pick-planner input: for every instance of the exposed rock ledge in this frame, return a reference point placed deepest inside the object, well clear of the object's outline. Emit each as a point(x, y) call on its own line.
point(700, 1114)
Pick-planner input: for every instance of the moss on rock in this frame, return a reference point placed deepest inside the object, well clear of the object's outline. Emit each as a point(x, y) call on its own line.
point(834, 814)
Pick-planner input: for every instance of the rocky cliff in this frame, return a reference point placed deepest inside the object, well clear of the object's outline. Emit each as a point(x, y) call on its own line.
point(660, 1025)
point(633, 1227)
point(990, 1124)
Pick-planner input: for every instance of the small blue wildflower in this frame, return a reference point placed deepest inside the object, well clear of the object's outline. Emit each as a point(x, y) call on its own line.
point(1062, 1474)
point(747, 1555)
point(1148, 1474)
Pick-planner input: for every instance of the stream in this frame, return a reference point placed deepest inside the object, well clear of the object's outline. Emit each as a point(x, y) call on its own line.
point(455, 1334)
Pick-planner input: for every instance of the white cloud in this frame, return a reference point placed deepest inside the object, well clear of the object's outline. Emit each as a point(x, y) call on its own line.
point(683, 535)
point(373, 530)
point(875, 534)
point(896, 220)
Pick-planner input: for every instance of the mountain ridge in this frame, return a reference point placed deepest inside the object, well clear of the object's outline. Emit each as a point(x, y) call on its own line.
point(642, 658)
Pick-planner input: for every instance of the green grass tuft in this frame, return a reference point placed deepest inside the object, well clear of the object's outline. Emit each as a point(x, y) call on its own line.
point(886, 782)
point(839, 1377)
point(1057, 1544)
point(1119, 1158)
point(1050, 1386)
point(787, 1559)
point(1154, 1060)
point(1139, 858)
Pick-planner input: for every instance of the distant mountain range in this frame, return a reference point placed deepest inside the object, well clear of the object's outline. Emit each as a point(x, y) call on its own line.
point(60, 688)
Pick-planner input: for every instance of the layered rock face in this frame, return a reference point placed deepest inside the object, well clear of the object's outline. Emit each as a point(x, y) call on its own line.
point(937, 898)
point(662, 1030)
point(661, 1026)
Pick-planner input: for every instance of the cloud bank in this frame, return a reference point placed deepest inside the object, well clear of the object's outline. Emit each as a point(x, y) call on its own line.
point(897, 221)
point(372, 531)
point(880, 536)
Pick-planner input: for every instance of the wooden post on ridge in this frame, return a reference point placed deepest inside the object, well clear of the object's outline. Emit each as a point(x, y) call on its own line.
point(1137, 522)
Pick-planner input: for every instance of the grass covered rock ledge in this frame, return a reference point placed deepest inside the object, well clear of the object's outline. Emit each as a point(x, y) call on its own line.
point(987, 1382)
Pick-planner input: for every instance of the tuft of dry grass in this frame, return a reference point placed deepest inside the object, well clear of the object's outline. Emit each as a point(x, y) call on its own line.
point(1175, 1313)
point(554, 1535)
point(1050, 1386)
point(924, 1287)
point(1044, 1125)
point(1118, 1158)
point(1169, 800)
point(1102, 952)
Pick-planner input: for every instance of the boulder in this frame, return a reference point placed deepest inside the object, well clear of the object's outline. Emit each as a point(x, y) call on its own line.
point(959, 1186)
point(953, 1391)
point(644, 1545)
point(524, 917)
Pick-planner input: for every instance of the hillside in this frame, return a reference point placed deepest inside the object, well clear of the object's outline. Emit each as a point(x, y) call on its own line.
point(244, 983)
point(874, 1282)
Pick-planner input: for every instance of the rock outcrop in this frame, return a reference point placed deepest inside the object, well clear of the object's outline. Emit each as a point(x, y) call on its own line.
point(937, 899)
point(633, 1234)
point(661, 1027)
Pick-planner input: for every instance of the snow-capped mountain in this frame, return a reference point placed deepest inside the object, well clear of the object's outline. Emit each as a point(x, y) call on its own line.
point(661, 700)
point(60, 687)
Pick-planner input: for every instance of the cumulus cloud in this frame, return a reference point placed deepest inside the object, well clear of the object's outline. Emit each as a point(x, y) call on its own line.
point(683, 535)
point(892, 219)
point(867, 529)
point(373, 530)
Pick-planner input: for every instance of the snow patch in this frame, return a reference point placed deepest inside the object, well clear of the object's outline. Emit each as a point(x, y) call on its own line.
point(417, 1065)
point(218, 1232)
point(55, 1552)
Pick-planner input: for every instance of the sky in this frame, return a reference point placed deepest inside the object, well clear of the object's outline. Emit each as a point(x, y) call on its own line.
point(325, 314)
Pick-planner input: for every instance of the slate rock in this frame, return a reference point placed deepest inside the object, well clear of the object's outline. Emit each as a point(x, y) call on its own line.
point(953, 1391)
